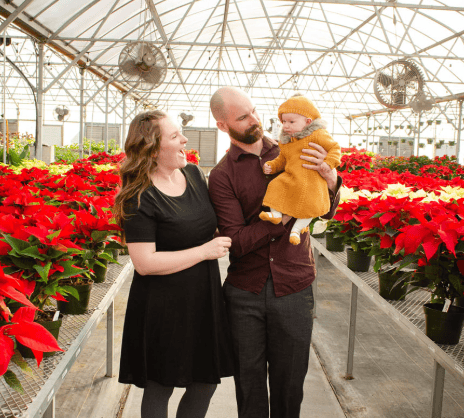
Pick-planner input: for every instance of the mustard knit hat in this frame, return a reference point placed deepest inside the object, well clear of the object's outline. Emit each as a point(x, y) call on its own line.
point(300, 105)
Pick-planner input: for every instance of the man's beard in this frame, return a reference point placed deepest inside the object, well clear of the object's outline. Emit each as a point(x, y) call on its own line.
point(250, 136)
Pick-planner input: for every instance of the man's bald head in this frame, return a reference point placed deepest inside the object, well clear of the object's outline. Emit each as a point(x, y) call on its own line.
point(222, 98)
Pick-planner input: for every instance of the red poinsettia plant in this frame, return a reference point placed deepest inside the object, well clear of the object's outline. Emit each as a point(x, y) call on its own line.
point(436, 241)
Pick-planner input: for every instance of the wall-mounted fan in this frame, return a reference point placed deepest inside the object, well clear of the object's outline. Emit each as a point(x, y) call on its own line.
point(396, 84)
point(61, 113)
point(142, 65)
point(185, 119)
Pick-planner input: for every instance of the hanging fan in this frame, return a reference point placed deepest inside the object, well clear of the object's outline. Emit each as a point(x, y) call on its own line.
point(142, 65)
point(396, 84)
point(271, 124)
point(185, 119)
point(61, 113)
point(422, 103)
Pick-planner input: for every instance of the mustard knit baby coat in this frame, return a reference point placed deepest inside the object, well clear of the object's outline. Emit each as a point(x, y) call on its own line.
point(300, 192)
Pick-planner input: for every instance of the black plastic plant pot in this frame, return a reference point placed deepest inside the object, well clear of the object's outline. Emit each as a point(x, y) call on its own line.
point(459, 301)
point(53, 327)
point(387, 287)
point(357, 260)
point(100, 272)
point(334, 244)
point(320, 235)
point(74, 306)
point(443, 327)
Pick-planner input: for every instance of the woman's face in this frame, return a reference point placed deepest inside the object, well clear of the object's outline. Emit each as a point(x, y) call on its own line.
point(172, 146)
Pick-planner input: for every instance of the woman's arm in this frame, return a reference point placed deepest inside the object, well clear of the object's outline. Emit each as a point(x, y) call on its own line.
point(148, 261)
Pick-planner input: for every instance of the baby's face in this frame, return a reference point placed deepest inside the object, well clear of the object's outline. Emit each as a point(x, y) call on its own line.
point(293, 122)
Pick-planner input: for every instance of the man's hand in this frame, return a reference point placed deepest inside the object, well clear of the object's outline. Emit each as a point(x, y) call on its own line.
point(316, 156)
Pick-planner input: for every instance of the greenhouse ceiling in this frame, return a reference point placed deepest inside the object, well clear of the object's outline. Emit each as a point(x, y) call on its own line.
point(327, 49)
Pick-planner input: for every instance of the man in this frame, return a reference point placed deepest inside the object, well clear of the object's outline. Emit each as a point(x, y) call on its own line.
point(268, 289)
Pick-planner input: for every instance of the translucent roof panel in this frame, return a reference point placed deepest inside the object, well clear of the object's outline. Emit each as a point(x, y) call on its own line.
point(329, 50)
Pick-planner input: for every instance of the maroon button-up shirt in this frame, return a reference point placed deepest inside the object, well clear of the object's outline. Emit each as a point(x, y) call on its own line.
point(237, 186)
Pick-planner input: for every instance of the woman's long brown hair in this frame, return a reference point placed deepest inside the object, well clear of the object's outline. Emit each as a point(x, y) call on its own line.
point(142, 145)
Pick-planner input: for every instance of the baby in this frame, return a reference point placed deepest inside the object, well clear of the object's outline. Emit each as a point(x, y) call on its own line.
point(299, 192)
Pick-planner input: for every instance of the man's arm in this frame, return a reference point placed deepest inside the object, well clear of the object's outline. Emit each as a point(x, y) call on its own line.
point(232, 223)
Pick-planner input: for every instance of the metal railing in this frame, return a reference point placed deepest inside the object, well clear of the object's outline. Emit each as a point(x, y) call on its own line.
point(40, 388)
point(407, 313)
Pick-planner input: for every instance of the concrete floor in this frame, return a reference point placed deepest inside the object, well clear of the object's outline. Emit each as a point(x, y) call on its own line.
point(392, 374)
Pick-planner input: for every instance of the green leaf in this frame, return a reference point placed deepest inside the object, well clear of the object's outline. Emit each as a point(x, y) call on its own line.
point(106, 256)
point(99, 236)
point(69, 270)
point(17, 244)
point(70, 290)
point(43, 270)
point(54, 234)
point(32, 252)
point(19, 361)
point(12, 381)
point(23, 263)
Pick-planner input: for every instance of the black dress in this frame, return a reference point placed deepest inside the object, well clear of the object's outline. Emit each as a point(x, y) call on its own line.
point(175, 329)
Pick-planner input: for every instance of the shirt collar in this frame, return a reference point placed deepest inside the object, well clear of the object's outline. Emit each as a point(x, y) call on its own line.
point(235, 152)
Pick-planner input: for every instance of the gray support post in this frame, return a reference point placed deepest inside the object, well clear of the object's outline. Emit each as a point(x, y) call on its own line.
point(124, 117)
point(351, 134)
point(81, 114)
point(40, 104)
point(105, 134)
point(437, 390)
point(4, 97)
point(50, 411)
point(367, 133)
point(316, 255)
point(418, 133)
point(352, 331)
point(110, 340)
point(458, 139)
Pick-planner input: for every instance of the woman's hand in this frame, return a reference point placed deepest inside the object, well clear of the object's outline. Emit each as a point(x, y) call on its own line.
point(316, 156)
point(216, 248)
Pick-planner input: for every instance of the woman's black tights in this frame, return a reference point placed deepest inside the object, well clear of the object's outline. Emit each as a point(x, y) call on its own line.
point(194, 402)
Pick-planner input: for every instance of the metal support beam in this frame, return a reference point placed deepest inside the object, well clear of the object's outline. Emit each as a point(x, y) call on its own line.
point(50, 411)
point(40, 104)
point(4, 97)
point(105, 134)
point(458, 139)
point(15, 14)
point(124, 117)
point(352, 331)
point(110, 341)
point(81, 115)
point(394, 4)
point(223, 33)
point(437, 390)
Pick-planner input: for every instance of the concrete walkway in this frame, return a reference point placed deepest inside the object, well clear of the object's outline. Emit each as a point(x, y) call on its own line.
point(392, 374)
point(87, 393)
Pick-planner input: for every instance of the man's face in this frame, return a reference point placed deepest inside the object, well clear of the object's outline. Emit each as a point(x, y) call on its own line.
point(241, 120)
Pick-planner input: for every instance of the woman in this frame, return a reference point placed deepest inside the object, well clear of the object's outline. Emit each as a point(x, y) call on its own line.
point(175, 330)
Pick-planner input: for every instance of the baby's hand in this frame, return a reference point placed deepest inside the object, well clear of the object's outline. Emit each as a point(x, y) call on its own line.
point(267, 168)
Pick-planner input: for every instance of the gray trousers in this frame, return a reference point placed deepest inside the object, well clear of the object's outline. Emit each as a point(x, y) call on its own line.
point(274, 334)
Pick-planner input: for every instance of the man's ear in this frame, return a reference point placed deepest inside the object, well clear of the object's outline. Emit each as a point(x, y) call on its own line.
point(222, 126)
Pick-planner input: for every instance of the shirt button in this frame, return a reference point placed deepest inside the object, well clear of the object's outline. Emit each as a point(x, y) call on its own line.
point(272, 239)
point(260, 158)
point(272, 259)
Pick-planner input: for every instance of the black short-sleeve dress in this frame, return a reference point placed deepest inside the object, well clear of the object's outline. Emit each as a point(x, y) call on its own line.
point(175, 329)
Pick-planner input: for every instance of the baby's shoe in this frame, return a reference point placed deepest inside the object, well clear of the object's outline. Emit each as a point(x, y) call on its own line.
point(269, 216)
point(294, 238)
